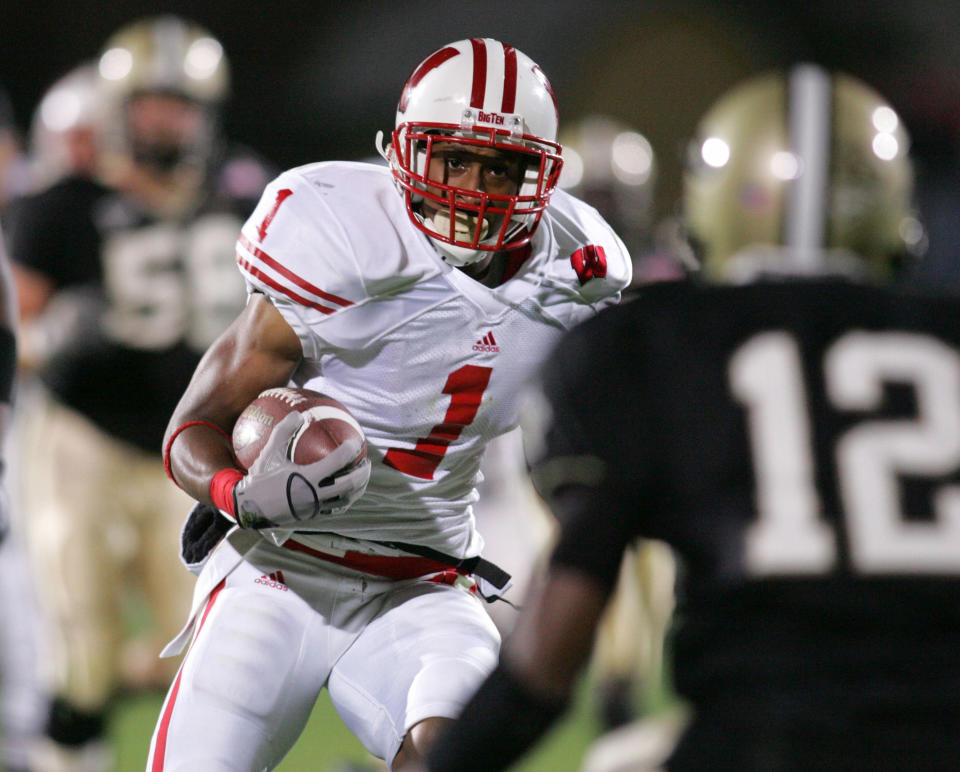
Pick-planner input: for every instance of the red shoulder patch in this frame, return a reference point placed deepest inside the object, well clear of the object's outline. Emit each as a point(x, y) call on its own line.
point(590, 262)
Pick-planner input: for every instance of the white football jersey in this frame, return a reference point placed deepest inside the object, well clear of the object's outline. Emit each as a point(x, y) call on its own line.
point(429, 361)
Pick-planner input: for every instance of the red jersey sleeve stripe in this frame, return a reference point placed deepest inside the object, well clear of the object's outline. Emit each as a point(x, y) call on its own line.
point(263, 257)
point(257, 273)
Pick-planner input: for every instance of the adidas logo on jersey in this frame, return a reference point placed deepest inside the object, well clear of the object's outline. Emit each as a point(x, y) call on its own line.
point(274, 580)
point(486, 343)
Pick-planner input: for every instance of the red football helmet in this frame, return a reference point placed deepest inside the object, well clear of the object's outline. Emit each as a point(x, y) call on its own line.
point(477, 93)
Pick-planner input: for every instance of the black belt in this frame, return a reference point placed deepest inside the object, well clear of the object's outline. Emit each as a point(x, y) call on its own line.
point(477, 565)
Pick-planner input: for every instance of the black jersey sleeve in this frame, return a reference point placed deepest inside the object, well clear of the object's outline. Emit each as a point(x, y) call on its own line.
point(589, 470)
point(592, 538)
point(53, 232)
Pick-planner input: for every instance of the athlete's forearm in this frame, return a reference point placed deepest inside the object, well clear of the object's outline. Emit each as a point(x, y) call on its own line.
point(258, 351)
point(194, 452)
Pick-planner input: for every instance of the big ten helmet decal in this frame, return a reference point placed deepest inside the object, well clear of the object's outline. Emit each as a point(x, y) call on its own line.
point(612, 167)
point(476, 93)
point(796, 170)
point(172, 57)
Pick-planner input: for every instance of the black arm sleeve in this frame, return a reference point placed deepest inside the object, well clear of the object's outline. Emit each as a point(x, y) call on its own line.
point(593, 534)
point(593, 465)
point(502, 721)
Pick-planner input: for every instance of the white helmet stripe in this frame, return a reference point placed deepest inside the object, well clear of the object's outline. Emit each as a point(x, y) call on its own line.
point(809, 131)
point(495, 71)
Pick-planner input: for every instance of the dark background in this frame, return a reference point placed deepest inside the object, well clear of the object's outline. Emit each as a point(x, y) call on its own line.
point(316, 80)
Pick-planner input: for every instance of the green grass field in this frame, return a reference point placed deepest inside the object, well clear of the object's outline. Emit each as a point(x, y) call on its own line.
point(326, 744)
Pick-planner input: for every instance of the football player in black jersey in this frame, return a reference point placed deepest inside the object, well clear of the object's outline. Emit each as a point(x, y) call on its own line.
point(125, 272)
point(13, 166)
point(612, 166)
point(789, 421)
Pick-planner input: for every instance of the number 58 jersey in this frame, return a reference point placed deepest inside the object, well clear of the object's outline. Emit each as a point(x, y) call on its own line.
point(798, 444)
point(430, 361)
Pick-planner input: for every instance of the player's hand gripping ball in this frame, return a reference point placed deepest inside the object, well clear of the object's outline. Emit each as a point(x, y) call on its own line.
point(305, 455)
point(326, 425)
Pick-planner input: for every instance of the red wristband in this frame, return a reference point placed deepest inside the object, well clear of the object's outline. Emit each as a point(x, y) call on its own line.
point(221, 490)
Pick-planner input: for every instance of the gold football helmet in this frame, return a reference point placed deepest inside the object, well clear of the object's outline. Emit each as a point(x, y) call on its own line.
point(797, 172)
point(612, 167)
point(166, 54)
point(166, 79)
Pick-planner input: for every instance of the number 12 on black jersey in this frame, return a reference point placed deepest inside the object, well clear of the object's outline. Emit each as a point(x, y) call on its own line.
point(790, 536)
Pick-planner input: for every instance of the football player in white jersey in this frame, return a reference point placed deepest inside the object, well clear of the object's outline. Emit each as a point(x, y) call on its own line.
point(421, 295)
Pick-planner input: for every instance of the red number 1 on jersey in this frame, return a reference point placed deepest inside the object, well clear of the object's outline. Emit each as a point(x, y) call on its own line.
point(465, 387)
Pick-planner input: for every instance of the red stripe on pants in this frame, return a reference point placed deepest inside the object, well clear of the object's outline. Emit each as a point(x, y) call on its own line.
point(160, 750)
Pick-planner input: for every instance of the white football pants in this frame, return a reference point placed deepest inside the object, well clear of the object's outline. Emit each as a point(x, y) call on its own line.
point(280, 626)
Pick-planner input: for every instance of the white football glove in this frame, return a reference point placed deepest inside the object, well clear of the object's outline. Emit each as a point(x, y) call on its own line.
point(277, 493)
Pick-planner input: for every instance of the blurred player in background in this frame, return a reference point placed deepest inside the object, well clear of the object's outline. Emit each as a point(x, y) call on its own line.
point(421, 296)
point(66, 128)
point(66, 134)
point(612, 166)
point(11, 730)
point(125, 272)
point(791, 425)
point(21, 703)
point(14, 171)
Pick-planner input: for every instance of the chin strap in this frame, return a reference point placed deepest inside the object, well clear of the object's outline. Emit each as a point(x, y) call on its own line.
point(454, 255)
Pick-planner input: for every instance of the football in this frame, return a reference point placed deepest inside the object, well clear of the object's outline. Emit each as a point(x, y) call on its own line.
point(327, 424)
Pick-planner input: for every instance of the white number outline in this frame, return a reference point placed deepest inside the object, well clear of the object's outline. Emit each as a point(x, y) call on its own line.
point(790, 536)
point(166, 282)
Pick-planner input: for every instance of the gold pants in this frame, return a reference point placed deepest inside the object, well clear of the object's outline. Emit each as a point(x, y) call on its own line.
point(102, 524)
